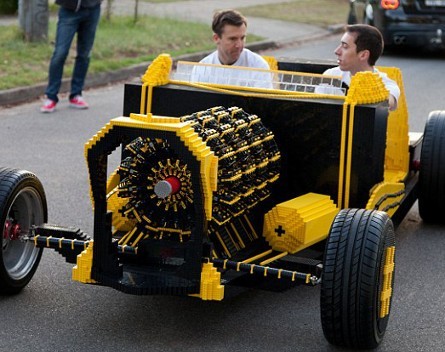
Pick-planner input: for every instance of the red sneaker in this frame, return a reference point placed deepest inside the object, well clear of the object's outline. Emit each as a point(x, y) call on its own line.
point(48, 106)
point(78, 102)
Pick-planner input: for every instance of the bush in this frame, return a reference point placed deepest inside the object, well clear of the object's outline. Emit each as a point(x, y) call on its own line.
point(8, 7)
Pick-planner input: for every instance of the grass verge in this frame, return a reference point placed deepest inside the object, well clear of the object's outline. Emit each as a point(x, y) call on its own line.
point(119, 43)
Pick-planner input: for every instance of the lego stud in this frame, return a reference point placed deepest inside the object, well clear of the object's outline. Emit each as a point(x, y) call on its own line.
point(167, 187)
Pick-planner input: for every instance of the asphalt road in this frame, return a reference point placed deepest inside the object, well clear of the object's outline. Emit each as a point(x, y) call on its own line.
point(56, 314)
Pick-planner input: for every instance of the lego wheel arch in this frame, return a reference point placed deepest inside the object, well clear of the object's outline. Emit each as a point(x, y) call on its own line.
point(358, 278)
point(22, 205)
point(432, 169)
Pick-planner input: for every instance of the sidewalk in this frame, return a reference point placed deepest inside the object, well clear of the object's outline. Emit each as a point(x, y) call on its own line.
point(276, 34)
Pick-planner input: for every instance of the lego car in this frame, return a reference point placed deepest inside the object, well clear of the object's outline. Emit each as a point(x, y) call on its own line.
point(227, 185)
point(403, 23)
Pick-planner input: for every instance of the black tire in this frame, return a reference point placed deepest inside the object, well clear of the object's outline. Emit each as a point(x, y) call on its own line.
point(22, 204)
point(432, 170)
point(353, 278)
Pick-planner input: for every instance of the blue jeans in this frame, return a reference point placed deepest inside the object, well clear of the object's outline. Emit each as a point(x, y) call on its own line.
point(83, 22)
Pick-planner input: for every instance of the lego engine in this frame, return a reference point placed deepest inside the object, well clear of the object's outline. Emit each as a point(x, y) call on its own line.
point(155, 184)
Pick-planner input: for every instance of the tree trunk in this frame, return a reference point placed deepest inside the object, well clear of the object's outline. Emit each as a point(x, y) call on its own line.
point(109, 10)
point(33, 19)
point(136, 11)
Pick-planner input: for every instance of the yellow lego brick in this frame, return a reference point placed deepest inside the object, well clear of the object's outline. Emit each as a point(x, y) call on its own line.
point(366, 88)
point(272, 61)
point(158, 71)
point(82, 271)
point(211, 288)
point(397, 145)
point(112, 181)
point(141, 117)
point(99, 135)
point(296, 224)
point(119, 222)
point(386, 197)
point(388, 272)
point(208, 164)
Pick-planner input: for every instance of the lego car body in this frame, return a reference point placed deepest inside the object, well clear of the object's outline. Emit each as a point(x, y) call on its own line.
point(224, 185)
point(403, 23)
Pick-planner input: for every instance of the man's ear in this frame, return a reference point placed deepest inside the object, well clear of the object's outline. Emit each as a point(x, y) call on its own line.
point(216, 38)
point(364, 55)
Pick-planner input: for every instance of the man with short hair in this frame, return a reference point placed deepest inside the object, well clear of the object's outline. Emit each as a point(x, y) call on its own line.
point(229, 34)
point(360, 47)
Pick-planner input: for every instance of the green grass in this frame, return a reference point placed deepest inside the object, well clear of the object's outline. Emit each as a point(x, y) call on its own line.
point(20, 63)
point(119, 43)
point(318, 12)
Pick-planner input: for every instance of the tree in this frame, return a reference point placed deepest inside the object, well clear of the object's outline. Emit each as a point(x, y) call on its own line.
point(108, 9)
point(136, 10)
point(33, 19)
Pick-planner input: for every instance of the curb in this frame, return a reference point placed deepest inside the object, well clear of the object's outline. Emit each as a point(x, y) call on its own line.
point(21, 95)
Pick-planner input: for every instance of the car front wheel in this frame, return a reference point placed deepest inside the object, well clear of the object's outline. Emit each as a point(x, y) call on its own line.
point(357, 278)
point(22, 205)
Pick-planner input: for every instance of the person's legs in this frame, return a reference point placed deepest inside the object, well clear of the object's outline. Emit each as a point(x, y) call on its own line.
point(85, 41)
point(66, 29)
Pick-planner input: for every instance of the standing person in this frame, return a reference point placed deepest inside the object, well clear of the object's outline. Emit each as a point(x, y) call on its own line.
point(229, 34)
point(75, 16)
point(360, 47)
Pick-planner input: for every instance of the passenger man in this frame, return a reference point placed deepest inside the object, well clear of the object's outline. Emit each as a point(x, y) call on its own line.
point(360, 47)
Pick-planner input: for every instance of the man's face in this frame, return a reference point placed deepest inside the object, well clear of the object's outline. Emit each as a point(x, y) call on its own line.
point(230, 44)
point(348, 58)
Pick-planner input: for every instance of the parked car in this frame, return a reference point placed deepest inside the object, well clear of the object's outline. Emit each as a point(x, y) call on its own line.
point(403, 23)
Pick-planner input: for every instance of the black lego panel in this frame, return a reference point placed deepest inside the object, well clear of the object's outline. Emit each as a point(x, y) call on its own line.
point(307, 131)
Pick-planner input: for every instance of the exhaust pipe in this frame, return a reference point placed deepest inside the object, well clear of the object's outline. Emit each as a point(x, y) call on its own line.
point(399, 39)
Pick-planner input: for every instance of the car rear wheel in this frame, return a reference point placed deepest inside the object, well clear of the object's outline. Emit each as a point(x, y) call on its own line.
point(22, 205)
point(357, 278)
point(432, 169)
